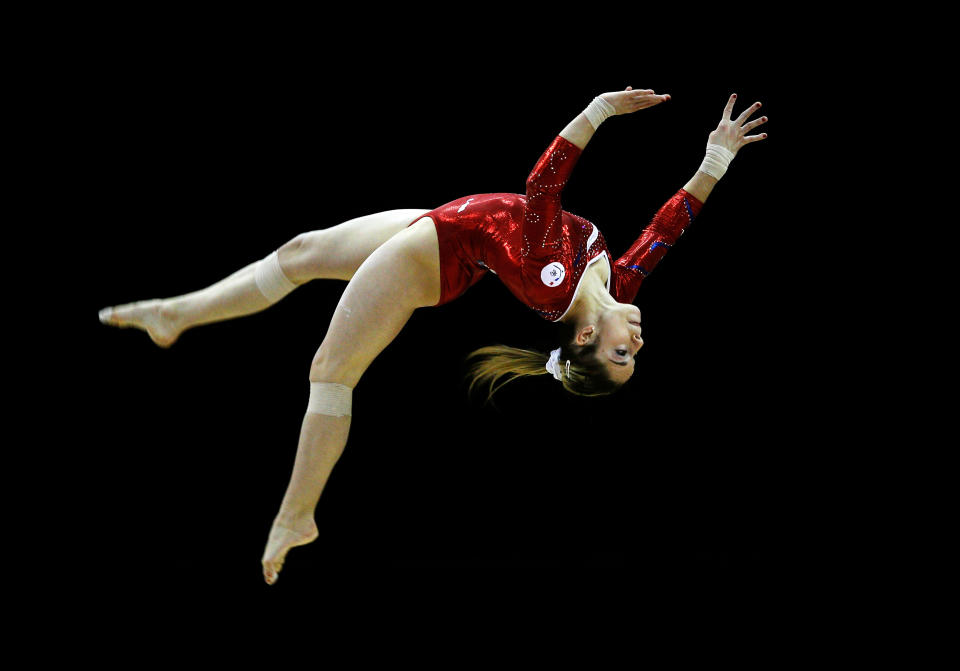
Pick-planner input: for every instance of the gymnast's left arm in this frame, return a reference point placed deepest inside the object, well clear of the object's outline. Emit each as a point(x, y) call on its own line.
point(581, 129)
point(722, 146)
point(679, 212)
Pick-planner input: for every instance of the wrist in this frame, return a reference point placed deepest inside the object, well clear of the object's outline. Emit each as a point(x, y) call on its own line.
point(716, 161)
point(598, 111)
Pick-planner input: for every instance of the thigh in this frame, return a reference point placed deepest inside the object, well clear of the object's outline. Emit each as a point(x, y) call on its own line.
point(337, 252)
point(400, 276)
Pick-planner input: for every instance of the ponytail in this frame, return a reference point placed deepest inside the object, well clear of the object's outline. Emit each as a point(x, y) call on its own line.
point(580, 371)
point(496, 365)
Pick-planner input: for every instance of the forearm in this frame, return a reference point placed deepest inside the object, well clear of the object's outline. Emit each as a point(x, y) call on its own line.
point(656, 239)
point(714, 166)
point(578, 132)
point(700, 185)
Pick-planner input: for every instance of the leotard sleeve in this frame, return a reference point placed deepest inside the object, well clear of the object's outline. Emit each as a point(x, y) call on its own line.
point(542, 229)
point(659, 236)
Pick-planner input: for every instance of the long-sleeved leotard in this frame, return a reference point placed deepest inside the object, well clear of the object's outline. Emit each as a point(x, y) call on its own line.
point(537, 249)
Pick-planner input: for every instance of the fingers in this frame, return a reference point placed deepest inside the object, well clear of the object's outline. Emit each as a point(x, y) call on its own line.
point(747, 139)
point(630, 99)
point(728, 110)
point(753, 124)
point(741, 122)
point(747, 113)
point(647, 98)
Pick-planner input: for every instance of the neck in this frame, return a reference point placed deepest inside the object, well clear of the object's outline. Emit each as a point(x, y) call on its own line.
point(592, 298)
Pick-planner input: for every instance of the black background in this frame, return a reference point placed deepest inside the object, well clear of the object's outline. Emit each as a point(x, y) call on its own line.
point(198, 149)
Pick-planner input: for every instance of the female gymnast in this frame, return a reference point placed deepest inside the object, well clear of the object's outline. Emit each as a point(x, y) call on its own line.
point(397, 261)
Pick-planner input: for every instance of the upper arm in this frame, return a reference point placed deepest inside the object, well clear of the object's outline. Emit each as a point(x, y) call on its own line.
point(543, 208)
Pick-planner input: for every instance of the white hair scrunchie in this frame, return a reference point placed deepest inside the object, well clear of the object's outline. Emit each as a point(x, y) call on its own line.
point(553, 365)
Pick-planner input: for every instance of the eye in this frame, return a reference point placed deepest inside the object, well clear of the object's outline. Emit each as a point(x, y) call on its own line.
point(622, 352)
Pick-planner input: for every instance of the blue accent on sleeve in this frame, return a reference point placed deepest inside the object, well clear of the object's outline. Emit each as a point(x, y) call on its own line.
point(689, 211)
point(659, 243)
point(645, 273)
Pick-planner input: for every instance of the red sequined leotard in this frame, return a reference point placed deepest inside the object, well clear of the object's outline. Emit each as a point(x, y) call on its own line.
point(538, 250)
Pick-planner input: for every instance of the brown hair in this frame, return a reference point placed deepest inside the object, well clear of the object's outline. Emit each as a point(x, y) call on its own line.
point(496, 365)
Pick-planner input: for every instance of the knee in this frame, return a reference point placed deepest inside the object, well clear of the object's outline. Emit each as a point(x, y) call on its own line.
point(330, 367)
point(297, 257)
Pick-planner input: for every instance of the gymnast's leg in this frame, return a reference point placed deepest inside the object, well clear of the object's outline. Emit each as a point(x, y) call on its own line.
point(330, 253)
point(400, 276)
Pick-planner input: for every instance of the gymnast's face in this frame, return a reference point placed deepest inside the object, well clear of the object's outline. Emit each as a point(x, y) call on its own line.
point(618, 340)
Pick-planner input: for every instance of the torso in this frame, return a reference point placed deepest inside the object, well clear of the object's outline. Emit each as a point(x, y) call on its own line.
point(540, 261)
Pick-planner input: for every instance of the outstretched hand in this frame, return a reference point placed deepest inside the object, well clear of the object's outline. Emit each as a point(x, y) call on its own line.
point(733, 134)
point(628, 100)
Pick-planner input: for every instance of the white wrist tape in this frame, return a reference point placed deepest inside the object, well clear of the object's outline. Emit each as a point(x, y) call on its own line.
point(271, 281)
point(327, 398)
point(717, 160)
point(598, 111)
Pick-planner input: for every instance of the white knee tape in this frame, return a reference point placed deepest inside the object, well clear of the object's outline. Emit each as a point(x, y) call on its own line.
point(327, 398)
point(271, 281)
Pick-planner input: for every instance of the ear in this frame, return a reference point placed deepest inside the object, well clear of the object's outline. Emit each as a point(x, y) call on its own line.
point(585, 335)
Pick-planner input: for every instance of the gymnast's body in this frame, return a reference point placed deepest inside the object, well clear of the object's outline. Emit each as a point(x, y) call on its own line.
point(555, 262)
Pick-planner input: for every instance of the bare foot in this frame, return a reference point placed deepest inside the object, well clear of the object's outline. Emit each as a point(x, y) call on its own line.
point(154, 317)
point(282, 538)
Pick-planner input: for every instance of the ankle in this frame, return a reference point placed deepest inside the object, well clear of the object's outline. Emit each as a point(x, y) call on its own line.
point(175, 313)
point(294, 518)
